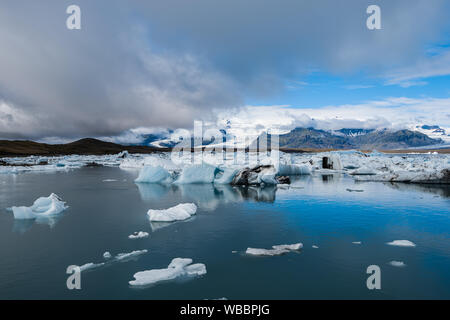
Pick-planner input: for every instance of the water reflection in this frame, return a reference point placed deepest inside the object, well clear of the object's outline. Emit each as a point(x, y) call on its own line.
point(209, 196)
point(23, 225)
point(437, 189)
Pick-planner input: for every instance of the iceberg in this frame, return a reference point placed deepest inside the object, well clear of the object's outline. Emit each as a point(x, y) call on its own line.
point(401, 243)
point(90, 266)
point(293, 169)
point(399, 264)
point(275, 251)
point(202, 173)
point(42, 207)
point(226, 176)
point(138, 235)
point(129, 255)
point(182, 211)
point(177, 268)
point(154, 174)
point(107, 255)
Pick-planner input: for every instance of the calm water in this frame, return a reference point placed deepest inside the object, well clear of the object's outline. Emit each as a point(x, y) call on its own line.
point(317, 210)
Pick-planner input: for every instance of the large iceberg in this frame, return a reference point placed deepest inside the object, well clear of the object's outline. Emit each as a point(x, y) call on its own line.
point(177, 268)
point(293, 169)
point(199, 173)
point(42, 207)
point(182, 211)
point(154, 174)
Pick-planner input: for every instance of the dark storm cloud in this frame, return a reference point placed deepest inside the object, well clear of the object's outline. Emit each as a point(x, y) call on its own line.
point(164, 63)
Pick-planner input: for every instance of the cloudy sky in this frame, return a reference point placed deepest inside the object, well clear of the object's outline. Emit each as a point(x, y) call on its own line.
point(140, 66)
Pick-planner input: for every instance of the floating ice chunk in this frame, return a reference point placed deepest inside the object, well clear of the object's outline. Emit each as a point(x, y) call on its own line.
point(177, 268)
point(293, 169)
point(42, 207)
point(109, 180)
point(196, 269)
point(182, 211)
point(356, 242)
point(90, 266)
point(315, 247)
point(363, 171)
point(275, 251)
point(152, 174)
point(397, 264)
point(129, 255)
point(295, 246)
point(138, 235)
point(227, 176)
point(107, 255)
point(401, 243)
point(203, 173)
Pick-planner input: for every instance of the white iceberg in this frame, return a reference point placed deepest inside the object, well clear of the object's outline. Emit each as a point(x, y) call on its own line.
point(401, 243)
point(138, 235)
point(90, 265)
point(107, 255)
point(129, 255)
point(356, 242)
point(177, 268)
point(293, 169)
point(200, 173)
point(275, 251)
point(227, 176)
point(42, 207)
point(399, 264)
point(180, 212)
point(154, 174)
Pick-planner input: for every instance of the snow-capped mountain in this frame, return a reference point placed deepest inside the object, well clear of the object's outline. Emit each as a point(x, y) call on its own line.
point(434, 131)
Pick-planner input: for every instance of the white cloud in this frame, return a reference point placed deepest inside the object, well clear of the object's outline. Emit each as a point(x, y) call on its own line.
point(395, 113)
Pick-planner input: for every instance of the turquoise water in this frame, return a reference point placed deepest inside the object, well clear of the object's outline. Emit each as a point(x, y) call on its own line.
point(316, 210)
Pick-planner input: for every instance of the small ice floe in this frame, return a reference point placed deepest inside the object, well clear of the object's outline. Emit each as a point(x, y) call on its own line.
point(180, 212)
point(275, 251)
point(356, 242)
point(154, 174)
point(107, 255)
point(315, 247)
point(90, 266)
point(42, 207)
point(399, 264)
point(138, 235)
point(177, 268)
point(129, 255)
point(354, 190)
point(109, 180)
point(401, 243)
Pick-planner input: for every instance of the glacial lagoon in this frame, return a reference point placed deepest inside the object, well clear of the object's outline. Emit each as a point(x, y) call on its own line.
point(347, 222)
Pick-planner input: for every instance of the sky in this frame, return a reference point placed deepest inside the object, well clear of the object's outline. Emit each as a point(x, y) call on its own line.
point(140, 67)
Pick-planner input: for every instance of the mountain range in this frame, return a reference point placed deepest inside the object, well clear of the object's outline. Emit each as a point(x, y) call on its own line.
point(354, 139)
